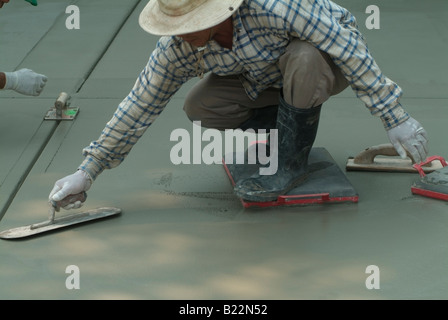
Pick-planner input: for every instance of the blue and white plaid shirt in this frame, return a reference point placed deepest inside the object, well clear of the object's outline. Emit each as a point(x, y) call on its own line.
point(262, 30)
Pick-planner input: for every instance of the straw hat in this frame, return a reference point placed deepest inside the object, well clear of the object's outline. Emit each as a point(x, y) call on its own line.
point(175, 17)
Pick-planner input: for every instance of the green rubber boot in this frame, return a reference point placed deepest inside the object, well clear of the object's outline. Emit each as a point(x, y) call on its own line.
point(263, 118)
point(296, 129)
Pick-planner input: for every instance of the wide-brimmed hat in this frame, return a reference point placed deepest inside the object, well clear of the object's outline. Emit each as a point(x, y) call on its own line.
point(176, 17)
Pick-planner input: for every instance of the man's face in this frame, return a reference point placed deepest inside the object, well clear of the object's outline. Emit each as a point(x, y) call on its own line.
point(197, 39)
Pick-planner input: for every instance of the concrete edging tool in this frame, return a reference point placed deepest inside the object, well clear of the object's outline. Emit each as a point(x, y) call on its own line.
point(385, 158)
point(61, 111)
point(64, 221)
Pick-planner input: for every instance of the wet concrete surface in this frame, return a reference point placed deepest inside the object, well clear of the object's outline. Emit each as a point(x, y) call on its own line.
point(182, 233)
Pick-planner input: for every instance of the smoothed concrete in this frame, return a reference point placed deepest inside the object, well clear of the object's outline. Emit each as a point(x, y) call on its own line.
point(55, 53)
point(68, 56)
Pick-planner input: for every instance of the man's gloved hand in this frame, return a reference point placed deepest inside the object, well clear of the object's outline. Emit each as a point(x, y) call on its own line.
point(72, 184)
point(410, 136)
point(25, 81)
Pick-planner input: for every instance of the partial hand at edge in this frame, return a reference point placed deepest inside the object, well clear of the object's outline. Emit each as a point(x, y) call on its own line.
point(25, 81)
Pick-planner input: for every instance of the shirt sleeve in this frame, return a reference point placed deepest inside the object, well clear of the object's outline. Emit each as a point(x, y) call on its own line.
point(153, 89)
point(332, 29)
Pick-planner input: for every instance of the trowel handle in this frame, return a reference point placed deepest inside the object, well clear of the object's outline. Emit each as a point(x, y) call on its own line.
point(70, 199)
point(368, 155)
point(418, 166)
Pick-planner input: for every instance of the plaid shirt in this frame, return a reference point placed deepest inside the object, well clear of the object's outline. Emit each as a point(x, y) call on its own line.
point(262, 30)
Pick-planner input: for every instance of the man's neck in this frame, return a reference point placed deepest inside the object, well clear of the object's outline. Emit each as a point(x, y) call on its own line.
point(224, 33)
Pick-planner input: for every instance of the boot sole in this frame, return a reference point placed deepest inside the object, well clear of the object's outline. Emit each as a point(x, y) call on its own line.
point(267, 197)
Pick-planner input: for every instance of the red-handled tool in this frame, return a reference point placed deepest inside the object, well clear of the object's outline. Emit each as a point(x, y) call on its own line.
point(434, 184)
point(419, 166)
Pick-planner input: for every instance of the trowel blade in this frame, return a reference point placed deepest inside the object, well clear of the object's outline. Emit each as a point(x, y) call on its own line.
point(61, 222)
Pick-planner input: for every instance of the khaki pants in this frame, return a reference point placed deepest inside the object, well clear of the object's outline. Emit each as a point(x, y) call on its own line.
point(309, 79)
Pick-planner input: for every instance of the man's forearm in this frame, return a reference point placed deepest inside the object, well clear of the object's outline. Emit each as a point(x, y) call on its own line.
point(2, 80)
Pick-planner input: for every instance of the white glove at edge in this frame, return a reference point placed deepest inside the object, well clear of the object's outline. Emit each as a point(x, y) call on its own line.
point(410, 136)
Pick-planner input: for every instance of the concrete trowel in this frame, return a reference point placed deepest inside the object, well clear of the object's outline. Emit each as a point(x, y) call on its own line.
point(384, 157)
point(61, 222)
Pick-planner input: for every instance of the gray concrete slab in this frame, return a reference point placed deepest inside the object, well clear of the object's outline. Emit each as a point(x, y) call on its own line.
point(67, 56)
point(23, 137)
point(410, 43)
point(182, 233)
point(20, 20)
point(50, 48)
point(115, 73)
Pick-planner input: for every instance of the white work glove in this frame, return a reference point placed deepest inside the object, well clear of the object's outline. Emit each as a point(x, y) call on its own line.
point(410, 136)
point(25, 81)
point(72, 184)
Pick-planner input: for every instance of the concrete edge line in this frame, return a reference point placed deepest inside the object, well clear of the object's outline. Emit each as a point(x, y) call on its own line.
point(38, 142)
